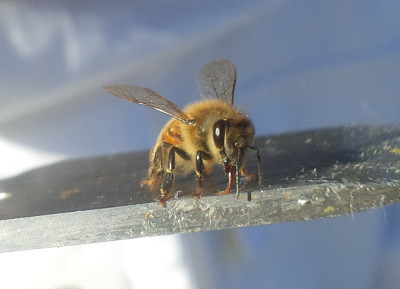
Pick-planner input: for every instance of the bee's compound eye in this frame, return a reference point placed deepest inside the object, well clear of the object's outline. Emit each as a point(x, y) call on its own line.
point(219, 133)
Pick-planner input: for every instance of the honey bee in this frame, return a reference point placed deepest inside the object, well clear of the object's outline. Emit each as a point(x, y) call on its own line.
point(204, 133)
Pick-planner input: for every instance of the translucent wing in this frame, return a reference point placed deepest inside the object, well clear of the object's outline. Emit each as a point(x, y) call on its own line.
point(149, 98)
point(217, 79)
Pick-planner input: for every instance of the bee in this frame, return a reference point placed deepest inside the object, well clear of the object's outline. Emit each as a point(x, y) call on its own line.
point(204, 133)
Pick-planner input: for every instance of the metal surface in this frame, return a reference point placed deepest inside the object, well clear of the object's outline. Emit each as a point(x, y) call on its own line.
point(306, 175)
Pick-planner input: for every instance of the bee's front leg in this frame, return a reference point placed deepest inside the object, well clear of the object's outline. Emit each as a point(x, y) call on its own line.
point(231, 172)
point(258, 165)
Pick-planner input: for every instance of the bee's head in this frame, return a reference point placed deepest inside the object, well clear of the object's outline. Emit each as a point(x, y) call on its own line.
point(233, 137)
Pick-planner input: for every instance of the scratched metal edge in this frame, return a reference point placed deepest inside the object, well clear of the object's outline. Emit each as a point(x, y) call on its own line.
point(311, 201)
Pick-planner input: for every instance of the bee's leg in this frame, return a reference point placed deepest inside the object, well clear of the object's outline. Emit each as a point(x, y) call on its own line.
point(249, 177)
point(231, 172)
point(252, 177)
point(155, 172)
point(258, 166)
point(200, 171)
point(169, 177)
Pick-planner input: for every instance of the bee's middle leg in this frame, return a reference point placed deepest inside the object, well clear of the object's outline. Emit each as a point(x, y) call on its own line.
point(169, 177)
point(200, 171)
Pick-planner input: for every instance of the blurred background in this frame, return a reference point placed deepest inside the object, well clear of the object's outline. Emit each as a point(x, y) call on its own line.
point(301, 65)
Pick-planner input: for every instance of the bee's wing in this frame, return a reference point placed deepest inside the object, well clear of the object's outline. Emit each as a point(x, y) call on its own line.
point(149, 98)
point(217, 79)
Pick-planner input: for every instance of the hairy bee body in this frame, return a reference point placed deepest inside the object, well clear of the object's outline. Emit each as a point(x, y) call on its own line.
point(194, 138)
point(202, 134)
